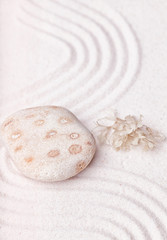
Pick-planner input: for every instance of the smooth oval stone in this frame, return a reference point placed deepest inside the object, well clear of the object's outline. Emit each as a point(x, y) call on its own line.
point(48, 143)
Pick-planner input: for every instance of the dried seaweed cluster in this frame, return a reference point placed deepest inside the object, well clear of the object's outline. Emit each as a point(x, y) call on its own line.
point(122, 134)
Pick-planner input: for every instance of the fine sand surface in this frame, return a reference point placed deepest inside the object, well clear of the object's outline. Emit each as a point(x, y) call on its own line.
point(86, 56)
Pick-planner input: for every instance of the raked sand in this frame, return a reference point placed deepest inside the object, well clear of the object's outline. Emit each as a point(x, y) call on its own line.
point(87, 56)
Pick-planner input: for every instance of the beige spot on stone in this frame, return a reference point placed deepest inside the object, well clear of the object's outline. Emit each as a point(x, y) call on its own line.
point(53, 153)
point(29, 159)
point(18, 148)
point(30, 116)
point(16, 135)
point(39, 122)
point(75, 149)
point(80, 166)
point(51, 133)
point(89, 143)
point(74, 135)
point(64, 120)
point(8, 123)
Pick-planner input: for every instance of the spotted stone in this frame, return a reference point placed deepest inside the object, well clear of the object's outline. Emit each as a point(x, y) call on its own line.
point(80, 166)
point(53, 153)
point(48, 147)
point(75, 149)
point(51, 133)
point(74, 135)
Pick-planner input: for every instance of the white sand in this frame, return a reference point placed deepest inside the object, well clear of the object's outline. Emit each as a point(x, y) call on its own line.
point(89, 57)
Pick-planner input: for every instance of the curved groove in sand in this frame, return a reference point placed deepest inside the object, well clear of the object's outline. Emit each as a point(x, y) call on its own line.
point(96, 43)
point(111, 65)
point(81, 68)
point(145, 209)
point(67, 65)
point(103, 85)
point(128, 217)
point(107, 75)
point(91, 230)
point(108, 87)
